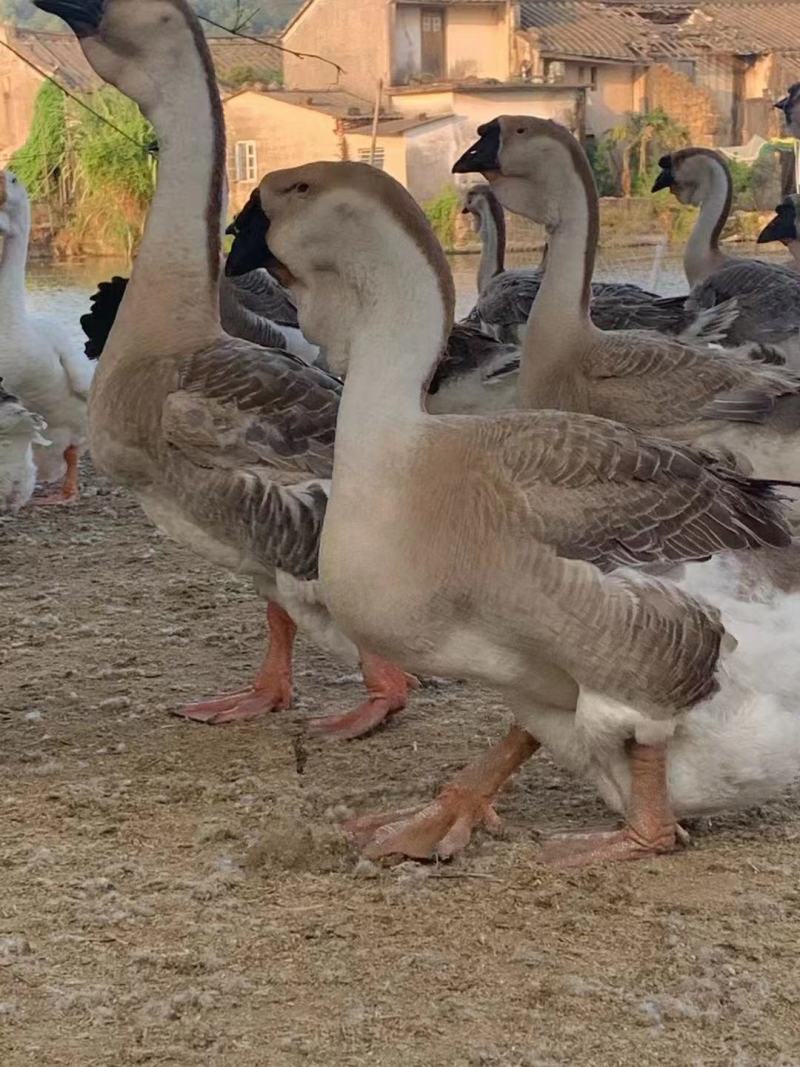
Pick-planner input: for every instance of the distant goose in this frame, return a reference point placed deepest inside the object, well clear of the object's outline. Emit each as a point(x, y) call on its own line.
point(785, 227)
point(505, 297)
point(38, 360)
point(768, 295)
point(685, 393)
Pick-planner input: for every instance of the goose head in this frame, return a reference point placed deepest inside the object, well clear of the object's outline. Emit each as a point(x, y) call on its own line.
point(353, 246)
point(14, 204)
point(689, 174)
point(525, 160)
point(481, 203)
point(785, 226)
point(790, 106)
point(139, 46)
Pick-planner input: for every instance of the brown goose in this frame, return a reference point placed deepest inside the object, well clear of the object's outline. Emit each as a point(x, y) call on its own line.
point(505, 296)
point(653, 383)
point(767, 294)
point(493, 532)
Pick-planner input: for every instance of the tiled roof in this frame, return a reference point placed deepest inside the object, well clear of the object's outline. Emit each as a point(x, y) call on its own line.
point(620, 29)
point(60, 56)
point(335, 102)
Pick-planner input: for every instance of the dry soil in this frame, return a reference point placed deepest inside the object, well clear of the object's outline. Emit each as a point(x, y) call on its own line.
point(181, 894)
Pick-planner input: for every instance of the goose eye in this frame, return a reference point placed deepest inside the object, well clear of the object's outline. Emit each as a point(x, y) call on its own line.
point(302, 187)
point(520, 129)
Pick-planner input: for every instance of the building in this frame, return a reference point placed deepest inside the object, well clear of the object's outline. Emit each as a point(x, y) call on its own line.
point(715, 67)
point(59, 55)
point(271, 129)
point(450, 65)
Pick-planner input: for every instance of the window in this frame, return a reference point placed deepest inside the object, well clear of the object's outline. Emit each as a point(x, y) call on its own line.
point(593, 77)
point(431, 22)
point(553, 70)
point(380, 156)
point(246, 161)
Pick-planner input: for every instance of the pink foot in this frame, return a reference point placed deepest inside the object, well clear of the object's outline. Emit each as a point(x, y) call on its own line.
point(437, 831)
point(363, 719)
point(239, 707)
point(55, 498)
point(387, 687)
point(610, 846)
point(68, 494)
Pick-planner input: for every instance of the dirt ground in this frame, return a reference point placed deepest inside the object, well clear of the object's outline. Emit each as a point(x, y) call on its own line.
point(180, 894)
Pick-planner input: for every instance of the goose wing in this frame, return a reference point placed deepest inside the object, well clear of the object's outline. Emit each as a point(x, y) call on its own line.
point(595, 490)
point(669, 383)
point(258, 425)
point(767, 294)
point(258, 292)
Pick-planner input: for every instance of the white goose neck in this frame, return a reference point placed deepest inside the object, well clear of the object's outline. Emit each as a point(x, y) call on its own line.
point(173, 296)
point(402, 328)
point(13, 261)
point(702, 255)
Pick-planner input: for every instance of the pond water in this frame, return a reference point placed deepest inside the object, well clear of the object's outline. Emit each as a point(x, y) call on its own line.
point(63, 289)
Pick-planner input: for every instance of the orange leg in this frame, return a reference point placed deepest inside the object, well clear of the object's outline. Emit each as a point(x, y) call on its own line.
point(68, 493)
point(444, 827)
point(650, 829)
point(387, 693)
point(272, 688)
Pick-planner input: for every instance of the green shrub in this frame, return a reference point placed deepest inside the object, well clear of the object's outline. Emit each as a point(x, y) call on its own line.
point(441, 213)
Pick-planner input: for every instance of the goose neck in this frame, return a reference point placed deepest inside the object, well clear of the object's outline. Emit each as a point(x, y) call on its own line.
point(13, 260)
point(703, 255)
point(559, 316)
point(173, 295)
point(493, 243)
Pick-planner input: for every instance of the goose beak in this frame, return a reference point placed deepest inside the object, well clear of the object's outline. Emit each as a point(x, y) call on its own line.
point(82, 16)
point(250, 250)
point(249, 230)
point(483, 156)
point(665, 179)
point(781, 228)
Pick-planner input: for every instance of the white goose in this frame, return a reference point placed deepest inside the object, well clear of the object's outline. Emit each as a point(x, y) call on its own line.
point(656, 384)
point(478, 550)
point(767, 294)
point(785, 227)
point(38, 361)
point(19, 432)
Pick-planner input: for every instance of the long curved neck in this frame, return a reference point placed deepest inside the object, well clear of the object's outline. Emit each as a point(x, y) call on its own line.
point(702, 255)
point(172, 301)
point(12, 268)
point(559, 318)
point(493, 243)
point(390, 359)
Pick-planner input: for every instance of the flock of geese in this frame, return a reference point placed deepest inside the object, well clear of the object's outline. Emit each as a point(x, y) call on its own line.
point(583, 495)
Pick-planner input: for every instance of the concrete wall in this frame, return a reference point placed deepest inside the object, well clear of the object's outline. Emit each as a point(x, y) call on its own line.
point(422, 103)
point(354, 33)
point(691, 105)
point(430, 153)
point(285, 136)
point(393, 148)
point(18, 88)
point(476, 43)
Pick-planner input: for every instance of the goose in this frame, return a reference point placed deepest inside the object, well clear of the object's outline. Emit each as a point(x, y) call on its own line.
point(477, 372)
point(767, 294)
point(505, 297)
point(489, 548)
point(38, 360)
point(253, 307)
point(690, 394)
point(20, 430)
point(227, 445)
point(790, 106)
point(785, 227)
